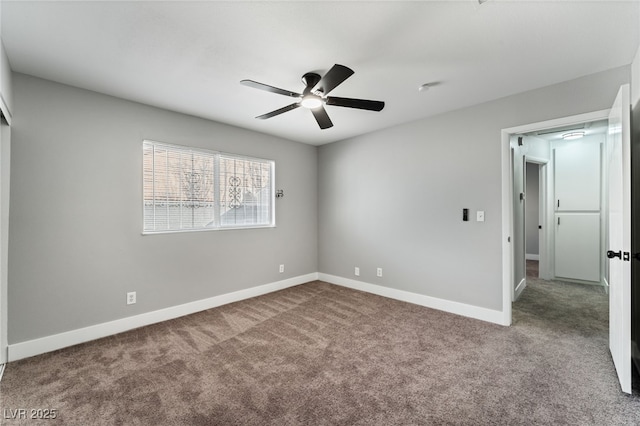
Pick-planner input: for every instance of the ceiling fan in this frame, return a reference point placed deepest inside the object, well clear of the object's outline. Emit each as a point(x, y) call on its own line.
point(314, 95)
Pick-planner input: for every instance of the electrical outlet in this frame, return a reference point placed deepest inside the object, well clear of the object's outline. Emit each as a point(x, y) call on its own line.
point(131, 298)
point(357, 271)
point(281, 268)
point(379, 272)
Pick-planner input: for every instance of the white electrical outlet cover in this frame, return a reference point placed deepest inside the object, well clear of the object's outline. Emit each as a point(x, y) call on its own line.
point(480, 216)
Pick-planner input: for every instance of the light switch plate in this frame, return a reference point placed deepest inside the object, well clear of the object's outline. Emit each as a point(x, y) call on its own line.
point(480, 216)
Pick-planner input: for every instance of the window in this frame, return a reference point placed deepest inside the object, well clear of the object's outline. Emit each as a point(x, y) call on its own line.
point(188, 189)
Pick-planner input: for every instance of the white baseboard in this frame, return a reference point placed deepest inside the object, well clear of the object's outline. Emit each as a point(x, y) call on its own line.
point(463, 309)
point(519, 288)
point(73, 337)
point(62, 340)
point(532, 256)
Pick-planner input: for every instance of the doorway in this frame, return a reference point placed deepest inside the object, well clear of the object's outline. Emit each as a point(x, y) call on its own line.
point(582, 210)
point(575, 225)
point(509, 241)
point(529, 157)
point(536, 252)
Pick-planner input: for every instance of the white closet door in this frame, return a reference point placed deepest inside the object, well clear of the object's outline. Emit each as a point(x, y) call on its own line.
point(577, 246)
point(577, 175)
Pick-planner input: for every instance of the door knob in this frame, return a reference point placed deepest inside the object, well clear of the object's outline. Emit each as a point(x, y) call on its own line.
point(611, 254)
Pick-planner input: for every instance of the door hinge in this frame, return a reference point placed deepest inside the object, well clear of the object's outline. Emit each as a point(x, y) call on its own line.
point(612, 254)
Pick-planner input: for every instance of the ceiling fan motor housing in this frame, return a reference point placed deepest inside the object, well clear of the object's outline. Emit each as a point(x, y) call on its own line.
point(310, 79)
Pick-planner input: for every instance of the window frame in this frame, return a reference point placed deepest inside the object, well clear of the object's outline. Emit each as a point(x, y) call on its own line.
point(216, 189)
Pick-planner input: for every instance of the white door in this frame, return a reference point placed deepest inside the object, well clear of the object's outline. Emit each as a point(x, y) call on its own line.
point(577, 184)
point(577, 176)
point(577, 246)
point(619, 186)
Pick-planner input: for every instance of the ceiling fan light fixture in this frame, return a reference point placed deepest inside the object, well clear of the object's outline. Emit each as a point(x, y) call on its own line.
point(311, 101)
point(572, 135)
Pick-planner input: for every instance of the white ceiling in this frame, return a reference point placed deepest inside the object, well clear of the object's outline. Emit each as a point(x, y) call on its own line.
point(190, 56)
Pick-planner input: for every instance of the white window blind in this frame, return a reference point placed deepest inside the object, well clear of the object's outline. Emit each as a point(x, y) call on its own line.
point(187, 189)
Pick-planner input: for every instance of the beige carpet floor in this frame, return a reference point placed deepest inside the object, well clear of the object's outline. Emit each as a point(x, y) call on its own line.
point(318, 354)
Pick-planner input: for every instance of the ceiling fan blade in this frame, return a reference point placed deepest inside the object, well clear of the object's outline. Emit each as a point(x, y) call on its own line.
point(278, 111)
point(336, 75)
point(271, 89)
point(355, 103)
point(322, 117)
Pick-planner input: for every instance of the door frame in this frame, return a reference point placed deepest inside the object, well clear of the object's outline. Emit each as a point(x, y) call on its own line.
point(5, 162)
point(543, 248)
point(5, 173)
point(518, 283)
point(507, 195)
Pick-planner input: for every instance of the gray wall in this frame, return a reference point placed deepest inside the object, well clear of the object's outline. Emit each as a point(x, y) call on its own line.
point(394, 198)
point(76, 213)
point(532, 209)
